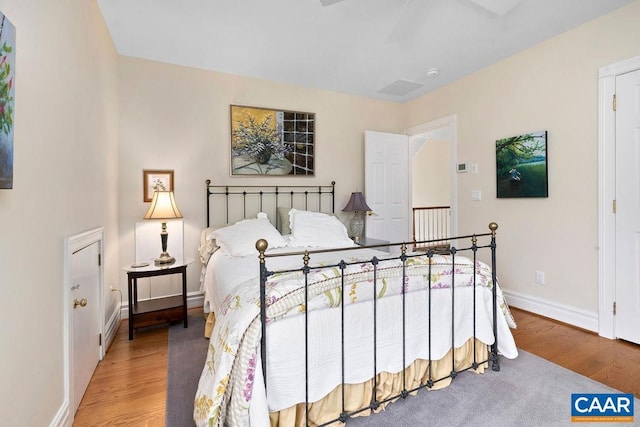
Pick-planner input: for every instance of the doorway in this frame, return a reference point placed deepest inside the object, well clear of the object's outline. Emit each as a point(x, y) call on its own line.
point(389, 172)
point(429, 144)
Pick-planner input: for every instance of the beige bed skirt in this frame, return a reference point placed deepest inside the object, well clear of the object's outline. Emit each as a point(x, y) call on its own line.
point(209, 324)
point(360, 395)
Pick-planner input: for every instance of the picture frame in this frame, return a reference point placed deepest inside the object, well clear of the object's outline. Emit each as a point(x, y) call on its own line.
point(271, 142)
point(7, 100)
point(153, 180)
point(521, 166)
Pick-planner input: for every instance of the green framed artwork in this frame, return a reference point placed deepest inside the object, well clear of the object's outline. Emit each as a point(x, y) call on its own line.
point(7, 90)
point(521, 166)
point(272, 142)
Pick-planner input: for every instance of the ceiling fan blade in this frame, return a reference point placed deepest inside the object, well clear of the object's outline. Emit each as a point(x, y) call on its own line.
point(408, 22)
point(326, 3)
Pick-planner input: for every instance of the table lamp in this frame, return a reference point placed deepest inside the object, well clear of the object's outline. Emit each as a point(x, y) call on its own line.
point(358, 206)
point(163, 207)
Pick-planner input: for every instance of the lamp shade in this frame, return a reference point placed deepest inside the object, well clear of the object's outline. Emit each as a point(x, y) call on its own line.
point(163, 206)
point(357, 203)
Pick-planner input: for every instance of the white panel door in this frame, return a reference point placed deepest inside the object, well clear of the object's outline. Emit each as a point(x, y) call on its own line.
point(85, 279)
point(387, 186)
point(628, 207)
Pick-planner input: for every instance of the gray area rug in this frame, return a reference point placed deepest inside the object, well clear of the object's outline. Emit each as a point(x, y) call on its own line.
point(187, 354)
point(528, 391)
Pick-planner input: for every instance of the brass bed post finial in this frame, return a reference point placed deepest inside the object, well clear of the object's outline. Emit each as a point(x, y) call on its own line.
point(306, 258)
point(493, 227)
point(261, 246)
point(474, 240)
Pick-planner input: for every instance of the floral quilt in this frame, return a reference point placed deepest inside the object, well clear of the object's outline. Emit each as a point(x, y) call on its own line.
point(225, 388)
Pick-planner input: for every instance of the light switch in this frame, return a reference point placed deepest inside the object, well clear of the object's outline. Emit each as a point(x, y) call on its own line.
point(476, 195)
point(474, 168)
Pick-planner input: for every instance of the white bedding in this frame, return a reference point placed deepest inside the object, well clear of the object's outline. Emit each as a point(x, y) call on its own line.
point(224, 272)
point(285, 350)
point(228, 277)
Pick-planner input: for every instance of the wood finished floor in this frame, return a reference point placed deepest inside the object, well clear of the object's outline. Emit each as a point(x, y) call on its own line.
point(129, 384)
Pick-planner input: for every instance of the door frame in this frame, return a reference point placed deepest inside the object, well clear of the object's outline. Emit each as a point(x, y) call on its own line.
point(448, 127)
point(607, 192)
point(73, 244)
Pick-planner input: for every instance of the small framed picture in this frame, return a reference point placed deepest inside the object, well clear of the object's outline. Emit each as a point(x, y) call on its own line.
point(156, 180)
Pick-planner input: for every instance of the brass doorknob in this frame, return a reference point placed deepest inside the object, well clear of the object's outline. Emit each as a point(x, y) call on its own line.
point(80, 303)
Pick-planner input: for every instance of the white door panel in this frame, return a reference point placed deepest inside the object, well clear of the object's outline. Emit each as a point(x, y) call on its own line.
point(85, 279)
point(628, 207)
point(387, 185)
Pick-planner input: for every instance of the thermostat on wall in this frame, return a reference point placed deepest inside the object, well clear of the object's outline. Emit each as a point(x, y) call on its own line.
point(462, 167)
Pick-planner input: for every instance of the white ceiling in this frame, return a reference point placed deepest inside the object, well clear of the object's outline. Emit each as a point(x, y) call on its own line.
point(352, 46)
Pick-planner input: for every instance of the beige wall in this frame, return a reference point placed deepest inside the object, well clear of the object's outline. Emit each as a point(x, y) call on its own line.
point(174, 117)
point(431, 171)
point(88, 123)
point(552, 86)
point(65, 177)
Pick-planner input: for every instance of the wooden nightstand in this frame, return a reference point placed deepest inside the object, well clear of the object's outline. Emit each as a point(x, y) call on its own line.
point(157, 310)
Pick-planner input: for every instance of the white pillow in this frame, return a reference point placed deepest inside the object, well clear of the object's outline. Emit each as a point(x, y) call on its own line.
point(316, 229)
point(240, 238)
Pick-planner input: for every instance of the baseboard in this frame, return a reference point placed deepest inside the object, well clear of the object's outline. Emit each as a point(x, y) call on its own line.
point(111, 328)
point(194, 299)
point(564, 313)
point(62, 417)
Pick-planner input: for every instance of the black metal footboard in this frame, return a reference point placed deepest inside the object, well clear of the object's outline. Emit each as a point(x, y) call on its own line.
point(404, 256)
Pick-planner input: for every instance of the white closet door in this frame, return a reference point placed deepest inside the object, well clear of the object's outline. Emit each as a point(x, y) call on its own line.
point(628, 207)
point(85, 277)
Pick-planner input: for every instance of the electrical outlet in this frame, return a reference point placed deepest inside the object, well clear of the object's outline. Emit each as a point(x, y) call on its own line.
point(113, 289)
point(540, 277)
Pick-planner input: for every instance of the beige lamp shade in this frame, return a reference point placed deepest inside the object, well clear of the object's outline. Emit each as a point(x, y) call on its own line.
point(163, 206)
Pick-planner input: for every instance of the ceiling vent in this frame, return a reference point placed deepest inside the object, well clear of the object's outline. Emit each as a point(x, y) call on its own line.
point(400, 88)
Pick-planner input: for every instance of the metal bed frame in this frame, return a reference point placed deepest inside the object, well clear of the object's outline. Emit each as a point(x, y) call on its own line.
point(320, 191)
point(298, 196)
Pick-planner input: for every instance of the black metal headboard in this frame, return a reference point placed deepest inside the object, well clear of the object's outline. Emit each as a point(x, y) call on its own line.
point(242, 201)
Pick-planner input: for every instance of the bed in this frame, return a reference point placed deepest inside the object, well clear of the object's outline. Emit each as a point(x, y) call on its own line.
point(344, 330)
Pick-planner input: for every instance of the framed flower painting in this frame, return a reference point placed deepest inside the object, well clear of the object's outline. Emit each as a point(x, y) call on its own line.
point(156, 180)
point(7, 91)
point(272, 142)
